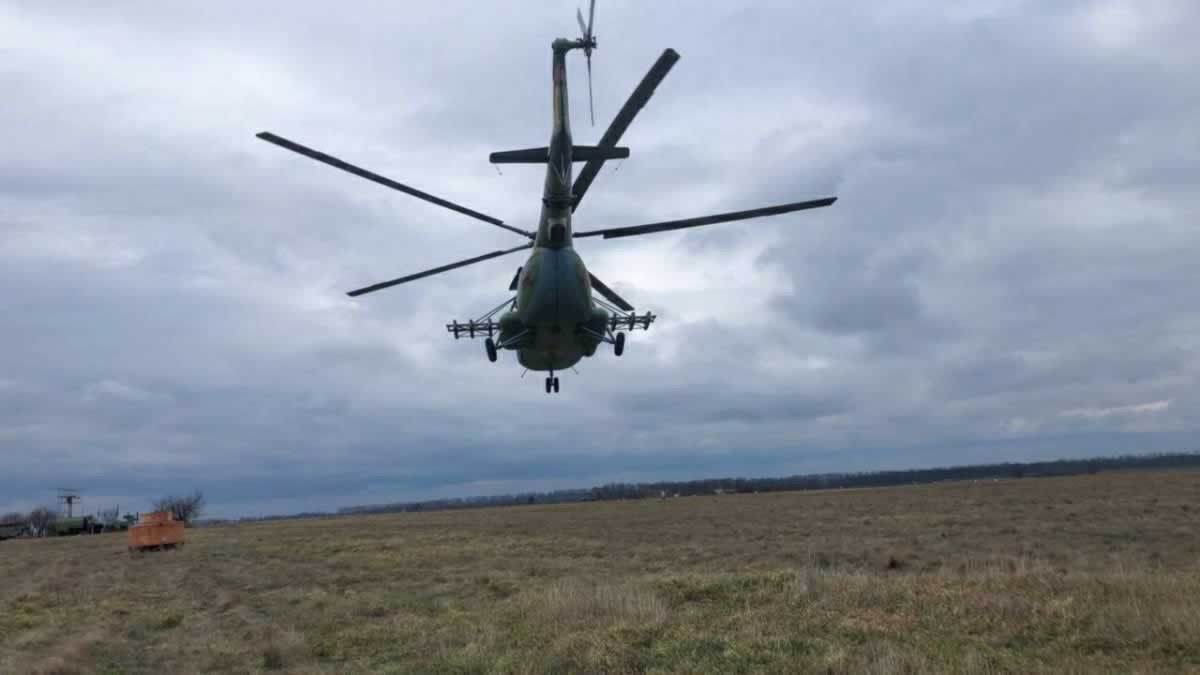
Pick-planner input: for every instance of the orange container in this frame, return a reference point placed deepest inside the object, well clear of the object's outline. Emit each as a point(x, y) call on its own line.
point(154, 517)
point(155, 530)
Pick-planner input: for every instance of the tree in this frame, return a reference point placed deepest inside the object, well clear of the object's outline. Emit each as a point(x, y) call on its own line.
point(42, 518)
point(13, 518)
point(185, 508)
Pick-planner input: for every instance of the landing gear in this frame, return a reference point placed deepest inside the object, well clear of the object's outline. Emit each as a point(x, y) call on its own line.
point(490, 345)
point(552, 384)
point(619, 344)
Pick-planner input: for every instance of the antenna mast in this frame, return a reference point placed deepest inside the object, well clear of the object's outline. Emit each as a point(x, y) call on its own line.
point(68, 498)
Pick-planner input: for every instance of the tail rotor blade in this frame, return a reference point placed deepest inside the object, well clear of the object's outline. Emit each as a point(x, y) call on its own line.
point(589, 42)
point(591, 106)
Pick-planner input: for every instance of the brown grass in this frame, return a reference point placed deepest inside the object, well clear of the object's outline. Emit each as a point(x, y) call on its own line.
point(1087, 574)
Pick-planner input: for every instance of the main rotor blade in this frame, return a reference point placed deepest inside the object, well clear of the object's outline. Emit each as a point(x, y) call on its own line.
point(591, 16)
point(614, 232)
point(582, 26)
point(387, 182)
point(609, 294)
point(437, 270)
point(624, 118)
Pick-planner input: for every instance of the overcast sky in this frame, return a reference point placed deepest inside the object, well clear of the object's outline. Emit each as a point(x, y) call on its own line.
point(1010, 272)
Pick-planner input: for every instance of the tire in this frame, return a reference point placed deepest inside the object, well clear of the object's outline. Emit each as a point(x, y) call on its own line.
point(556, 385)
point(548, 385)
point(490, 345)
point(619, 344)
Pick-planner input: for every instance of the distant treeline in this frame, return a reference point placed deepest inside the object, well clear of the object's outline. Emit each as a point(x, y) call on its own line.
point(555, 497)
point(824, 481)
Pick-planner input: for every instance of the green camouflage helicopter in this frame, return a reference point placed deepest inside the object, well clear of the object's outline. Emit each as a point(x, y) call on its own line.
point(553, 320)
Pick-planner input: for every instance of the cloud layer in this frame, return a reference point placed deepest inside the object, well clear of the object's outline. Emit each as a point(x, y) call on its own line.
point(1009, 272)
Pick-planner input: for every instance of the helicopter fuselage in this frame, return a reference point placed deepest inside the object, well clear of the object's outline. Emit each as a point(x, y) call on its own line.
point(554, 292)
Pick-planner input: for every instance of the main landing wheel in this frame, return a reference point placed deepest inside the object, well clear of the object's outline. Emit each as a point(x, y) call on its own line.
point(490, 345)
point(551, 384)
point(619, 344)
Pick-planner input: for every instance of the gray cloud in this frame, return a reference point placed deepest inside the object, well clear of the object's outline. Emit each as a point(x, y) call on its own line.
point(1007, 275)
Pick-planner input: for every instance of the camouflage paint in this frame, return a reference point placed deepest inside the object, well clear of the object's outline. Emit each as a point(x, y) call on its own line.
point(554, 291)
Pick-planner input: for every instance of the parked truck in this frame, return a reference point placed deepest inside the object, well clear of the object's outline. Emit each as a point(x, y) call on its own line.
point(73, 525)
point(12, 530)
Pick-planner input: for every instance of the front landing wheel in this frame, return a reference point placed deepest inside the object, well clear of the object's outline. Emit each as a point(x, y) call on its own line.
point(619, 344)
point(490, 345)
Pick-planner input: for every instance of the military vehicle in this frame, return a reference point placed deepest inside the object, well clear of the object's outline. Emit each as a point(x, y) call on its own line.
point(554, 319)
point(13, 530)
point(73, 525)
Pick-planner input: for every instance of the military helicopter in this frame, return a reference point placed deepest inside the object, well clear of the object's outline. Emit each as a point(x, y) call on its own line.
point(555, 318)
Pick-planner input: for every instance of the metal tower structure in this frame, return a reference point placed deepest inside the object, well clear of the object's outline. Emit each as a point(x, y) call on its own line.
point(68, 498)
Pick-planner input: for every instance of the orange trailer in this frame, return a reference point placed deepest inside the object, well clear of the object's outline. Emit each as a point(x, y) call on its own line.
point(155, 530)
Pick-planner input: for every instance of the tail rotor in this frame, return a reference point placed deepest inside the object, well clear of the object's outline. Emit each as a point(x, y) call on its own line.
point(589, 43)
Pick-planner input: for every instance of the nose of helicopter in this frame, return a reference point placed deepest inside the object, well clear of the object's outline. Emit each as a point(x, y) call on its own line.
point(560, 295)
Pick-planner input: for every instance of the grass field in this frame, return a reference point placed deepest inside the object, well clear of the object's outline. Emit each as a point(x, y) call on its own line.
point(1087, 574)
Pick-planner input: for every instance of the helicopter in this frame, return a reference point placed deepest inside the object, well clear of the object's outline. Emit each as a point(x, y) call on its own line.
point(559, 312)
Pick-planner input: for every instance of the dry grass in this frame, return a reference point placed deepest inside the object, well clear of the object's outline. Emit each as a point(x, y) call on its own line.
point(1088, 574)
